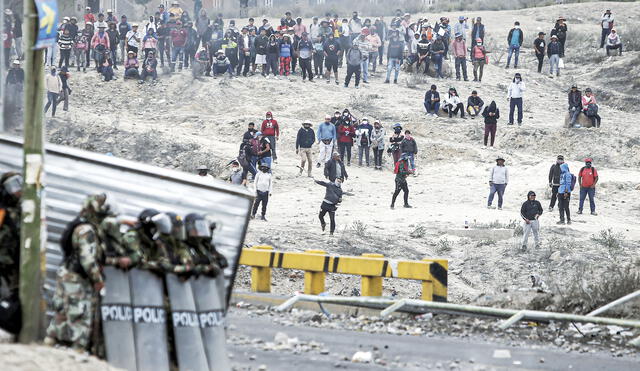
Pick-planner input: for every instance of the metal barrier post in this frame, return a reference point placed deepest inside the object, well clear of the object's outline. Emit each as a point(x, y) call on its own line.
point(314, 281)
point(261, 276)
point(370, 285)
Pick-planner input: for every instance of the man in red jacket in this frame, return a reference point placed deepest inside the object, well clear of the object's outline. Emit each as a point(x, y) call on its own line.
point(179, 40)
point(271, 131)
point(346, 133)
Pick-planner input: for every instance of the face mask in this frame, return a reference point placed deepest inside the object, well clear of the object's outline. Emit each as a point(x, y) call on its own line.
point(235, 169)
point(397, 131)
point(588, 165)
point(517, 27)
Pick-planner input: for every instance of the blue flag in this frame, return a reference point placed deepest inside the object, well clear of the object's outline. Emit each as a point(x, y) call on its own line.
point(47, 23)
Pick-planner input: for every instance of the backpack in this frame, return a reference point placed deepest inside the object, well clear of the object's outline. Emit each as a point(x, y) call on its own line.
point(573, 181)
point(397, 169)
point(592, 109)
point(242, 159)
point(66, 245)
point(254, 146)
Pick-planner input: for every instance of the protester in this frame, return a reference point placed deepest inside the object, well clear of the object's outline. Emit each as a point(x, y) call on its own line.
point(375, 43)
point(318, 57)
point(409, 147)
point(264, 151)
point(394, 56)
point(66, 90)
point(606, 23)
point(438, 52)
point(363, 140)
point(15, 83)
point(514, 96)
point(474, 104)
point(491, 115)
point(285, 52)
point(614, 42)
point(271, 131)
point(453, 104)
point(514, 40)
point(377, 144)
point(221, 65)
point(131, 66)
point(432, 101)
point(554, 181)
point(178, 37)
point(53, 84)
point(332, 52)
point(588, 178)
point(540, 47)
point(149, 68)
point(327, 136)
point(245, 43)
point(305, 53)
point(65, 43)
point(304, 142)
point(575, 105)
point(560, 30)
point(498, 180)
point(530, 212)
point(273, 56)
point(123, 29)
point(149, 42)
point(134, 37)
point(402, 171)
point(553, 51)
point(332, 198)
point(564, 193)
point(590, 108)
point(355, 58)
point(263, 186)
point(236, 176)
point(394, 142)
point(346, 133)
point(479, 59)
point(114, 39)
point(334, 169)
point(459, 49)
point(477, 33)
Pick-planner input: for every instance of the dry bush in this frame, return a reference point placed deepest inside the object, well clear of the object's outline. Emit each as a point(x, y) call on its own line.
point(497, 51)
point(444, 246)
point(418, 232)
point(359, 228)
point(415, 79)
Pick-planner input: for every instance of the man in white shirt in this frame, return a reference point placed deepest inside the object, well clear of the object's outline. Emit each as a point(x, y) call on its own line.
point(133, 39)
point(498, 179)
point(263, 186)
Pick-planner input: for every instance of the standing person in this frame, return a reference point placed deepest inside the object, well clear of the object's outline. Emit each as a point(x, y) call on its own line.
point(394, 56)
point(514, 96)
point(178, 40)
point(261, 44)
point(65, 43)
point(453, 104)
point(271, 131)
point(286, 51)
point(80, 48)
point(99, 45)
point(375, 44)
point(575, 105)
point(53, 84)
point(498, 180)
point(88, 15)
point(263, 186)
point(381, 29)
point(15, 84)
point(363, 45)
point(149, 43)
point(530, 212)
point(133, 39)
point(394, 142)
point(461, 27)
point(114, 39)
point(409, 148)
point(514, 40)
point(305, 52)
point(202, 25)
point(402, 171)
point(318, 57)
point(560, 30)
point(332, 198)
point(236, 176)
point(123, 29)
point(479, 59)
point(355, 26)
point(438, 52)
point(164, 43)
point(540, 47)
point(363, 140)
point(554, 180)
point(564, 193)
point(273, 56)
point(474, 104)
point(459, 49)
point(326, 140)
point(432, 101)
point(606, 22)
point(332, 53)
point(423, 48)
point(477, 33)
point(491, 115)
point(88, 31)
point(553, 51)
point(304, 142)
point(590, 108)
point(244, 48)
point(588, 178)
point(377, 144)
point(66, 90)
point(355, 58)
point(264, 151)
point(346, 133)
point(334, 169)
point(191, 45)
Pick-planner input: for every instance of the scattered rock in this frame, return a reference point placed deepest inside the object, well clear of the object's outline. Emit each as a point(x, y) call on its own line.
point(362, 357)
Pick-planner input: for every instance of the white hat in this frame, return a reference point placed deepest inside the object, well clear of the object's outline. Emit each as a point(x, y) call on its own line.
point(134, 25)
point(109, 10)
point(88, 8)
point(220, 51)
point(16, 61)
point(8, 12)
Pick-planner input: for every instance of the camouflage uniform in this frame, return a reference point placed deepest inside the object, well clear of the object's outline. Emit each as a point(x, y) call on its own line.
point(205, 261)
point(74, 301)
point(175, 256)
point(147, 250)
point(10, 246)
point(114, 243)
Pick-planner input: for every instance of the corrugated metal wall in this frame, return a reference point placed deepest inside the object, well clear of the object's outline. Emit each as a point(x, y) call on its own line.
point(72, 174)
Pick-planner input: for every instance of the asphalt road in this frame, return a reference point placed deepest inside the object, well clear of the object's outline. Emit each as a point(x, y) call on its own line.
point(413, 352)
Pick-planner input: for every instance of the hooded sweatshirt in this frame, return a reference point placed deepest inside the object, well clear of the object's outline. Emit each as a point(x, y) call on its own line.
point(491, 108)
point(565, 179)
point(530, 208)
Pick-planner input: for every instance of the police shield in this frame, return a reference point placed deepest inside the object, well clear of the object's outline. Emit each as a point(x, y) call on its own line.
point(117, 319)
point(149, 321)
point(186, 326)
point(210, 308)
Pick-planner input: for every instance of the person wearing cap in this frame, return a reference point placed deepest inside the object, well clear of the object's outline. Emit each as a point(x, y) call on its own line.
point(590, 108)
point(163, 16)
point(432, 101)
point(123, 28)
point(377, 144)
point(355, 26)
point(326, 136)
point(540, 48)
point(409, 147)
point(65, 43)
point(363, 140)
point(423, 48)
point(498, 180)
point(515, 94)
point(221, 64)
point(614, 42)
point(304, 142)
point(553, 52)
point(203, 171)
point(175, 11)
point(564, 193)
point(89, 17)
point(110, 17)
point(554, 180)
point(266, 27)
point(364, 46)
point(474, 104)
point(588, 178)
point(606, 23)
point(178, 42)
point(530, 212)
point(245, 43)
point(491, 115)
point(271, 130)
point(479, 59)
point(332, 53)
point(149, 67)
point(305, 52)
point(402, 171)
point(335, 169)
point(477, 32)
point(575, 105)
point(514, 40)
point(164, 43)
point(560, 30)
point(100, 44)
point(272, 56)
point(15, 84)
point(72, 26)
point(133, 39)
point(459, 49)
point(461, 27)
point(131, 66)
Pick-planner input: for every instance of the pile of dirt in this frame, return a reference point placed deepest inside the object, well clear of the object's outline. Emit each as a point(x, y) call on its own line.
point(17, 357)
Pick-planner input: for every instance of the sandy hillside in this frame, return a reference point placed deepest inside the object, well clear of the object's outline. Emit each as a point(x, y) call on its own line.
point(179, 123)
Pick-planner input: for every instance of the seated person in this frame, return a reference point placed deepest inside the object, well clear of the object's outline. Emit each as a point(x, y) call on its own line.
point(614, 42)
point(453, 104)
point(575, 105)
point(590, 108)
point(221, 64)
point(202, 63)
point(149, 67)
point(131, 66)
point(432, 101)
point(106, 67)
point(474, 104)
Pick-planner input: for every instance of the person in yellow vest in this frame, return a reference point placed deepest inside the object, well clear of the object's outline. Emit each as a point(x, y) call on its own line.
point(175, 12)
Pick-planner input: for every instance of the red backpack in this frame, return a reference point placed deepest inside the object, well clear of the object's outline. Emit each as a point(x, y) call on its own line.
point(399, 163)
point(255, 146)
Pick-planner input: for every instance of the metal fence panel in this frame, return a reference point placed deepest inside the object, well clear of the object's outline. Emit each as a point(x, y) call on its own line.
point(72, 174)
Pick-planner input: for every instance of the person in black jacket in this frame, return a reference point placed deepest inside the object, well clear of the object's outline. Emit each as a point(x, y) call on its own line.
point(554, 181)
point(477, 32)
point(304, 142)
point(575, 105)
point(560, 30)
point(530, 212)
point(474, 104)
point(334, 169)
point(491, 115)
point(540, 47)
point(332, 197)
